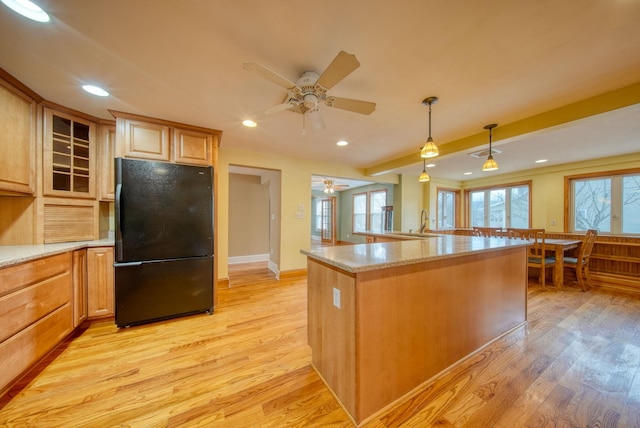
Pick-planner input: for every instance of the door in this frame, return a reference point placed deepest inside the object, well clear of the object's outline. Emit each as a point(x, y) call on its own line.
point(157, 290)
point(163, 210)
point(328, 221)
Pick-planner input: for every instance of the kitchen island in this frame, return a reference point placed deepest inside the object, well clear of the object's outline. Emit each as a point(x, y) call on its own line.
point(385, 318)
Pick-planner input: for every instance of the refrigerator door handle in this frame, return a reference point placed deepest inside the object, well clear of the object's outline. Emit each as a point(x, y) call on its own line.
point(118, 213)
point(127, 264)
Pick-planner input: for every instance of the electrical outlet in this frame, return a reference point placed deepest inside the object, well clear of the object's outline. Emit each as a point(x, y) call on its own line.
point(336, 297)
point(553, 222)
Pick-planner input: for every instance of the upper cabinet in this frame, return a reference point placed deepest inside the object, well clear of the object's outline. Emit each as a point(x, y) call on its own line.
point(106, 150)
point(144, 140)
point(193, 147)
point(69, 155)
point(17, 141)
point(142, 137)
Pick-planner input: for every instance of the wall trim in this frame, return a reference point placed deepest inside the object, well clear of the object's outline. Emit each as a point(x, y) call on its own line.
point(248, 259)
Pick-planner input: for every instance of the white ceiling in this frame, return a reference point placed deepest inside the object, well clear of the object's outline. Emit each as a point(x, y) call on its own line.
point(490, 61)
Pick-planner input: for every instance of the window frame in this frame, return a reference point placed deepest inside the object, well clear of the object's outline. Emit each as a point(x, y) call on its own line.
point(456, 206)
point(368, 213)
point(506, 187)
point(616, 196)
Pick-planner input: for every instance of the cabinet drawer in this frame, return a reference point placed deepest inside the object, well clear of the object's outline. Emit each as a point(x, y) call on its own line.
point(21, 351)
point(19, 276)
point(24, 307)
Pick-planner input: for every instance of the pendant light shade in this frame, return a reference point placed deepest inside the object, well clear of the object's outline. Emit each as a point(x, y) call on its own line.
point(490, 164)
point(429, 150)
point(424, 177)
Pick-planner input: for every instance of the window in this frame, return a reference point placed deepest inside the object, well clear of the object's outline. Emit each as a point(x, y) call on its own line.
point(609, 203)
point(317, 214)
point(505, 206)
point(367, 210)
point(359, 212)
point(377, 200)
point(446, 211)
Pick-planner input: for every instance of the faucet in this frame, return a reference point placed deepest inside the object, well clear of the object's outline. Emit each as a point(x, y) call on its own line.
point(424, 220)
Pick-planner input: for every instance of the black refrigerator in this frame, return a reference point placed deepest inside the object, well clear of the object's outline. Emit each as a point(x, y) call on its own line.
point(164, 241)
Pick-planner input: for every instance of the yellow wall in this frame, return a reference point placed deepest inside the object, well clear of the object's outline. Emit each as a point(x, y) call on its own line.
point(295, 191)
point(547, 186)
point(547, 195)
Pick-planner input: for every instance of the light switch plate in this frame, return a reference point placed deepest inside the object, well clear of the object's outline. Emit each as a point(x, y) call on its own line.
point(336, 297)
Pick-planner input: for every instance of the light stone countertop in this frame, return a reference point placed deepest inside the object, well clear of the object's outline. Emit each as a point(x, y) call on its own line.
point(14, 254)
point(365, 257)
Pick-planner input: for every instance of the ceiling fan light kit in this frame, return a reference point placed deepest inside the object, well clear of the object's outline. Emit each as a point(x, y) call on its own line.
point(490, 164)
point(429, 150)
point(310, 90)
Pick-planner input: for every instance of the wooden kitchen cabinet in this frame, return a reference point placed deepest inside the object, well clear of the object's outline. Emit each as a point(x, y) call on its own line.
point(17, 141)
point(141, 137)
point(68, 155)
point(143, 140)
point(100, 283)
point(70, 220)
point(36, 312)
point(106, 154)
point(79, 277)
point(193, 147)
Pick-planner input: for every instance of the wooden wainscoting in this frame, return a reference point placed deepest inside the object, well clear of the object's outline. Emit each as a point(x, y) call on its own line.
point(248, 365)
point(614, 262)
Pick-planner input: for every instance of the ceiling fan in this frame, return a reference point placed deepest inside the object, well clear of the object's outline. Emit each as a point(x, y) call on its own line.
point(328, 185)
point(310, 89)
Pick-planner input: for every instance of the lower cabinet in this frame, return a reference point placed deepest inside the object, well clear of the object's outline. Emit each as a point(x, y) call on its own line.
point(36, 312)
point(43, 300)
point(79, 286)
point(100, 293)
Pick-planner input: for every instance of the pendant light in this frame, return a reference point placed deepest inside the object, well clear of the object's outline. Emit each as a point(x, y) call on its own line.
point(429, 150)
point(490, 164)
point(424, 177)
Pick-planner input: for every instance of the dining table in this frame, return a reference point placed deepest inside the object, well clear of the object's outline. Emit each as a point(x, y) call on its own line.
point(559, 246)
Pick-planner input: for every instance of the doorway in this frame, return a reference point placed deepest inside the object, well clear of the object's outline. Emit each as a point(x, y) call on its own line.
point(254, 224)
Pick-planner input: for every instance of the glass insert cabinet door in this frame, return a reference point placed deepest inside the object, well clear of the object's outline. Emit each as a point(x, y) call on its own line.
point(69, 155)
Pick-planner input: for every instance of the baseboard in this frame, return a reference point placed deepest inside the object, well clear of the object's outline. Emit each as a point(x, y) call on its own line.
point(615, 282)
point(294, 273)
point(248, 259)
point(274, 268)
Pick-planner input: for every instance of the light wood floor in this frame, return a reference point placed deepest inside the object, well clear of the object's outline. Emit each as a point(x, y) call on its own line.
point(249, 273)
point(576, 364)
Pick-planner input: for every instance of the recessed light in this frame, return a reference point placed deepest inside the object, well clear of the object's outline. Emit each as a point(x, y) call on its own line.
point(95, 90)
point(430, 165)
point(249, 123)
point(468, 173)
point(342, 143)
point(541, 161)
point(27, 9)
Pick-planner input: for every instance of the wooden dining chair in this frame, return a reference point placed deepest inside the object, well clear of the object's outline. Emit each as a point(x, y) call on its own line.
point(537, 257)
point(580, 263)
point(487, 232)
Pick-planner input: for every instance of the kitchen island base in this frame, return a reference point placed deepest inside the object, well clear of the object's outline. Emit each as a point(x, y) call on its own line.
point(380, 334)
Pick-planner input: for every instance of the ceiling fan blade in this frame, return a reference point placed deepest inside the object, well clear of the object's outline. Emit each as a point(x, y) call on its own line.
point(356, 106)
point(278, 108)
point(264, 72)
point(341, 66)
